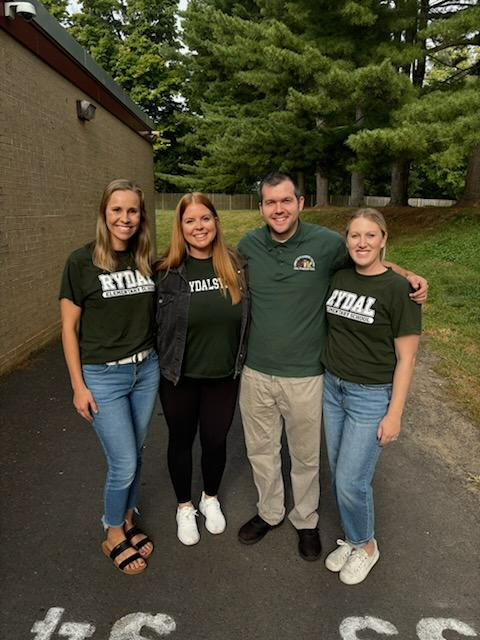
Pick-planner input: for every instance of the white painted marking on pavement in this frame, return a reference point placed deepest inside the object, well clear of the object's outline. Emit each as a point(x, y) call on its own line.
point(130, 626)
point(76, 630)
point(45, 628)
point(433, 628)
point(349, 626)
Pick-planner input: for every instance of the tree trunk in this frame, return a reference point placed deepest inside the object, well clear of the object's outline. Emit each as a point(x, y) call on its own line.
point(420, 63)
point(321, 183)
point(471, 195)
point(410, 19)
point(399, 183)
point(301, 182)
point(357, 193)
point(356, 189)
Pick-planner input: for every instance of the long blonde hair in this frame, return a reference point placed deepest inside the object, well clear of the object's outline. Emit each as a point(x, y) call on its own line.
point(375, 216)
point(226, 263)
point(104, 256)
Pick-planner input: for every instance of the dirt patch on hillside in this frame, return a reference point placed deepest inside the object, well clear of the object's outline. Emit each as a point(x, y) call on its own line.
point(400, 220)
point(437, 426)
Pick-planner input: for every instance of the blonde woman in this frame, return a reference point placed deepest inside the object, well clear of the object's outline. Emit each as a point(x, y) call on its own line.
point(107, 309)
point(202, 316)
point(373, 334)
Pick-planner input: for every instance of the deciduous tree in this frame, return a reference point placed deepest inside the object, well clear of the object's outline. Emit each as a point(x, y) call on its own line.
point(136, 42)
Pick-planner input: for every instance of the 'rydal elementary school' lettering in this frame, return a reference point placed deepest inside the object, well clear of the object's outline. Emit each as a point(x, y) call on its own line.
point(125, 283)
point(352, 306)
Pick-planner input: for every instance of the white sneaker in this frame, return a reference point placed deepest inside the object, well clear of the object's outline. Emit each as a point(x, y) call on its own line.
point(187, 530)
point(214, 518)
point(358, 565)
point(338, 557)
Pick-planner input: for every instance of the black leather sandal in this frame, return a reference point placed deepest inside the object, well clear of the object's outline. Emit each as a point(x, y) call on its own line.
point(117, 550)
point(135, 531)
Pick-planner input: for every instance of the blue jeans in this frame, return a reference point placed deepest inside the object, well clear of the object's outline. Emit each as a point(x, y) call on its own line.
point(351, 414)
point(125, 395)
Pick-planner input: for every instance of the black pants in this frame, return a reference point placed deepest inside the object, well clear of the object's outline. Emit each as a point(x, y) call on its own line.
point(192, 403)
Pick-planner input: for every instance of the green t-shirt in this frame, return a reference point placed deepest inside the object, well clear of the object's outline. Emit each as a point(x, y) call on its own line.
point(288, 284)
point(213, 332)
point(365, 314)
point(117, 317)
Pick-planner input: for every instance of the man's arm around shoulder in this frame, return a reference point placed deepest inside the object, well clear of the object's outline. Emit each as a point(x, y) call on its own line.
point(418, 283)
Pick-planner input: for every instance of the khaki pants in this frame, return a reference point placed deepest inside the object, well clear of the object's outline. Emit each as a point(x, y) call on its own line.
point(268, 403)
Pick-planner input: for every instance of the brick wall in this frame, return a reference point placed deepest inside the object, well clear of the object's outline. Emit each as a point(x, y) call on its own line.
point(53, 168)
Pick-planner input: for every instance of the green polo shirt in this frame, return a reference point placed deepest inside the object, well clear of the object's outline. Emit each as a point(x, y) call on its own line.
point(288, 284)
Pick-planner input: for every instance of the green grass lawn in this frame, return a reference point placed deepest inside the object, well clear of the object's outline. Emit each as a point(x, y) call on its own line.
point(441, 244)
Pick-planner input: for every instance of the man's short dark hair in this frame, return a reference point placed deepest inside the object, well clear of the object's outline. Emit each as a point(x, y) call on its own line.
point(275, 178)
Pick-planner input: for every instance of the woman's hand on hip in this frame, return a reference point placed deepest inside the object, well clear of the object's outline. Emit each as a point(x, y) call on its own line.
point(84, 403)
point(388, 430)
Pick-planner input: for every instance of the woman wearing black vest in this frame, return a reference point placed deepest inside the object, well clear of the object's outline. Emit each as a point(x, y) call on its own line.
point(202, 316)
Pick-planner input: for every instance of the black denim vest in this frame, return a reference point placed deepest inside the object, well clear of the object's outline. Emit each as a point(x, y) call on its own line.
point(173, 300)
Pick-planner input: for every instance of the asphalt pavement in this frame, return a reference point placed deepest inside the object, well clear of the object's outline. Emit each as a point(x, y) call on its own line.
point(57, 584)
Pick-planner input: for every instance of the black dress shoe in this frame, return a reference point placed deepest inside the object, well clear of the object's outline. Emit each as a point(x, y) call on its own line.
point(309, 545)
point(254, 530)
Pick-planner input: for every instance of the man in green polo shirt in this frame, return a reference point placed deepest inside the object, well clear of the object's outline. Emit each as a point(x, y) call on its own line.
point(290, 264)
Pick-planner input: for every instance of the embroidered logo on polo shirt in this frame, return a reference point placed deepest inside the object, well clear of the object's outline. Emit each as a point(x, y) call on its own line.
point(304, 263)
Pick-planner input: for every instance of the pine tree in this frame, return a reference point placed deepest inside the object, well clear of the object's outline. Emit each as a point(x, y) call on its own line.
point(448, 34)
point(297, 78)
point(267, 96)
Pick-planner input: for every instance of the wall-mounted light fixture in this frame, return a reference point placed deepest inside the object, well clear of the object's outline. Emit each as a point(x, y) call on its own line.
point(85, 110)
point(25, 10)
point(151, 136)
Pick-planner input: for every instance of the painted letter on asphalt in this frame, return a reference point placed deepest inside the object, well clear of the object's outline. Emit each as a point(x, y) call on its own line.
point(129, 627)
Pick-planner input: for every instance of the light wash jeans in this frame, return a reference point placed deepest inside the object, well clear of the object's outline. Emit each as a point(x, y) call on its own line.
point(125, 395)
point(351, 414)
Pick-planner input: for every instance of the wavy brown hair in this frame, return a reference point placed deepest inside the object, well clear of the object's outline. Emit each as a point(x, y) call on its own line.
point(375, 216)
point(226, 262)
point(104, 256)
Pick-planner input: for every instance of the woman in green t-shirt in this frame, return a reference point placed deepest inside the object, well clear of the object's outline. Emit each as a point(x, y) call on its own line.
point(369, 358)
point(106, 303)
point(202, 316)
